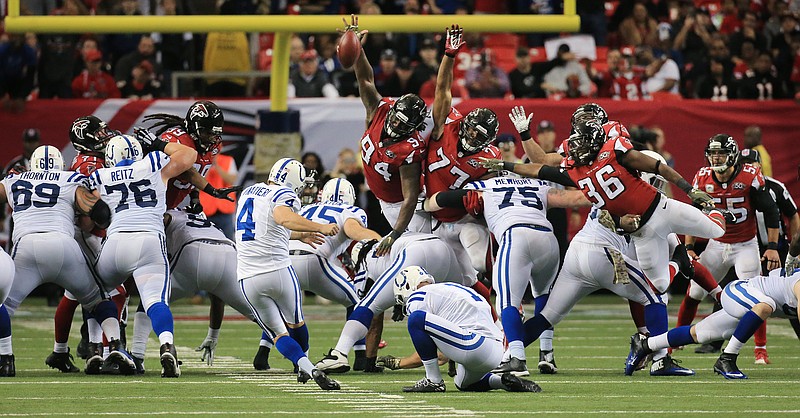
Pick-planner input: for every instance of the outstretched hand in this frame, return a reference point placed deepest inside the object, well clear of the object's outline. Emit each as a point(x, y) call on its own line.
point(453, 40)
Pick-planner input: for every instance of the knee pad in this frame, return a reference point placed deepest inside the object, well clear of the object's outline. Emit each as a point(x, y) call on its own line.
point(696, 292)
point(475, 240)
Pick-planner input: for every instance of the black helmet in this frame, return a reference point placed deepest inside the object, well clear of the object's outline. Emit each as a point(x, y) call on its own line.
point(406, 115)
point(585, 141)
point(90, 134)
point(589, 111)
point(204, 123)
point(725, 145)
point(478, 129)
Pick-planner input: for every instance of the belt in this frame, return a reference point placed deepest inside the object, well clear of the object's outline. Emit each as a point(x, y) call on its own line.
point(300, 252)
point(531, 226)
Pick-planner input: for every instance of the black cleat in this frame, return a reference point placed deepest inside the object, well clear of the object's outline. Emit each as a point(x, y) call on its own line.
point(360, 362)
point(547, 362)
point(94, 363)
point(261, 360)
point(118, 361)
point(62, 362)
point(667, 366)
point(637, 357)
point(514, 366)
point(707, 348)
point(681, 258)
point(170, 366)
point(516, 384)
point(139, 362)
point(7, 368)
point(425, 385)
point(726, 366)
point(322, 380)
point(83, 348)
point(452, 370)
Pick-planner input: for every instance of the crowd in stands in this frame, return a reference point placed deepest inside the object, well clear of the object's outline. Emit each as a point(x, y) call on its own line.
point(643, 50)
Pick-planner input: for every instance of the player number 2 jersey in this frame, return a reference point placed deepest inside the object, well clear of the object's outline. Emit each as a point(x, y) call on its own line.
point(330, 213)
point(42, 201)
point(734, 195)
point(262, 245)
point(382, 161)
point(509, 201)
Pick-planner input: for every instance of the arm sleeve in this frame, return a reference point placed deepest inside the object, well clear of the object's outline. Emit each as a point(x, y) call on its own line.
point(451, 198)
point(556, 175)
point(762, 202)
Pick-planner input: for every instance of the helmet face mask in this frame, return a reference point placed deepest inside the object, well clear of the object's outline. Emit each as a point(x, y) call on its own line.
point(90, 134)
point(585, 142)
point(47, 158)
point(478, 129)
point(722, 152)
point(406, 116)
point(204, 122)
point(407, 282)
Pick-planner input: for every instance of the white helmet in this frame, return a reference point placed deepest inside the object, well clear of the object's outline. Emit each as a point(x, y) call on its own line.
point(122, 147)
point(339, 190)
point(407, 282)
point(47, 158)
point(654, 179)
point(289, 173)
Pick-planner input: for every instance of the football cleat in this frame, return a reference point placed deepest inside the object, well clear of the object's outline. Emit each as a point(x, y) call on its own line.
point(726, 366)
point(514, 366)
point(62, 362)
point(547, 362)
point(334, 362)
point(94, 363)
point(681, 258)
point(761, 356)
point(7, 368)
point(261, 360)
point(707, 348)
point(170, 366)
point(118, 361)
point(323, 381)
point(515, 384)
point(638, 354)
point(83, 345)
point(425, 385)
point(667, 366)
point(452, 370)
point(139, 362)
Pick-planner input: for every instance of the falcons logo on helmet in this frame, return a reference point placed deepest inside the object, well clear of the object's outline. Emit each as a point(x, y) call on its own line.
point(199, 111)
point(79, 127)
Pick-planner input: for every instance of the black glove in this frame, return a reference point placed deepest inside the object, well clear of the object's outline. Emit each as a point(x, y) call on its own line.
point(194, 204)
point(223, 192)
point(371, 366)
point(398, 314)
point(149, 141)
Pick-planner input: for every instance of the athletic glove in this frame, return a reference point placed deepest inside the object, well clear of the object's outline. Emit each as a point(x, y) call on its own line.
point(473, 203)
point(148, 140)
point(223, 192)
point(519, 120)
point(700, 198)
point(389, 362)
point(791, 264)
point(194, 204)
point(399, 313)
point(492, 164)
point(453, 40)
point(386, 243)
point(208, 346)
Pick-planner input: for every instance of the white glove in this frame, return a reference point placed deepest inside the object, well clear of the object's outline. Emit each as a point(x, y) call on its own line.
point(519, 120)
point(207, 347)
point(791, 264)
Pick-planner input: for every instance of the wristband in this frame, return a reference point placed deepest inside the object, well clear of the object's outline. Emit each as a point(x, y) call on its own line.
point(159, 145)
point(508, 166)
point(525, 135)
point(209, 189)
point(684, 185)
point(689, 247)
point(772, 245)
point(450, 55)
point(213, 333)
point(658, 165)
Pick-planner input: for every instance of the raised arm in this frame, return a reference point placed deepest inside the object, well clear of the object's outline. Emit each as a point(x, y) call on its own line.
point(443, 98)
point(285, 217)
point(534, 152)
point(636, 160)
point(364, 73)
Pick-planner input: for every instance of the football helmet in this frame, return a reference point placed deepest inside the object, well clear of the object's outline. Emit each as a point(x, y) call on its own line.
point(47, 158)
point(90, 134)
point(654, 179)
point(585, 142)
point(204, 122)
point(478, 129)
point(122, 147)
point(407, 282)
point(406, 116)
point(310, 193)
point(722, 152)
point(289, 173)
point(339, 190)
point(589, 111)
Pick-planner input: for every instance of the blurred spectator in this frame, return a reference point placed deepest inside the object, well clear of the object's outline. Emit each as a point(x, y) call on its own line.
point(718, 85)
point(746, 59)
point(730, 18)
point(146, 51)
point(752, 140)
point(223, 173)
point(567, 77)
point(546, 136)
point(450, 7)
point(348, 166)
point(177, 50)
point(17, 70)
point(93, 83)
point(508, 147)
point(628, 81)
point(308, 81)
point(428, 66)
point(296, 49)
point(537, 7)
point(345, 82)
point(312, 161)
point(142, 83)
point(639, 28)
point(794, 76)
point(693, 35)
point(782, 45)
point(329, 61)
point(663, 74)
point(30, 141)
point(226, 51)
point(761, 83)
point(85, 45)
point(55, 65)
point(749, 31)
point(697, 72)
point(487, 80)
point(593, 20)
point(524, 82)
point(401, 82)
point(385, 68)
point(119, 45)
point(605, 79)
point(772, 27)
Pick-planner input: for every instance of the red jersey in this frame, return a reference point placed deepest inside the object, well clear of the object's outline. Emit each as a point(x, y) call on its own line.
point(629, 86)
point(608, 184)
point(86, 164)
point(177, 190)
point(734, 195)
point(448, 169)
point(382, 161)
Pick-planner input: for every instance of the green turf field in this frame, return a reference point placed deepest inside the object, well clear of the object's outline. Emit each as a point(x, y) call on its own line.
point(590, 345)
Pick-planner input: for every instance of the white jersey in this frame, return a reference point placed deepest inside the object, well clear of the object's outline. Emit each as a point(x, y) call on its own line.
point(186, 228)
point(136, 194)
point(330, 213)
point(509, 201)
point(262, 245)
point(42, 201)
point(457, 304)
point(780, 289)
point(376, 266)
point(593, 233)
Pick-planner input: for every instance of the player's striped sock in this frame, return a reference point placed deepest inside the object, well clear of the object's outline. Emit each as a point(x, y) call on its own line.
point(161, 317)
point(760, 337)
point(432, 371)
point(546, 338)
point(291, 350)
point(5, 332)
point(746, 328)
point(512, 327)
point(352, 331)
point(534, 327)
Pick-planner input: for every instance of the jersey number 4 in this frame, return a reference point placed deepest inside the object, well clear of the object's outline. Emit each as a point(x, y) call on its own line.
point(604, 180)
point(367, 149)
point(245, 222)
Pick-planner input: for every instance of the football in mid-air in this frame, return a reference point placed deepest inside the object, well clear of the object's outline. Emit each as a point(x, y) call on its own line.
point(349, 49)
